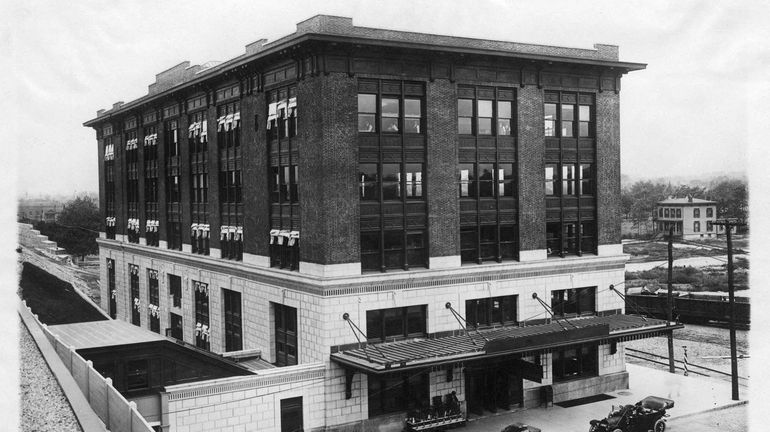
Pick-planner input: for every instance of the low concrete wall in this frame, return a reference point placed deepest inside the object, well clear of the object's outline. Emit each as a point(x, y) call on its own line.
point(116, 413)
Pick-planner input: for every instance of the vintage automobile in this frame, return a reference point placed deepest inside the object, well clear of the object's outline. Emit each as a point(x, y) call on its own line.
point(649, 414)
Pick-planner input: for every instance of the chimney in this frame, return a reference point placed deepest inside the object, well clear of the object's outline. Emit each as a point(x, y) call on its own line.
point(100, 112)
point(117, 105)
point(255, 47)
point(689, 198)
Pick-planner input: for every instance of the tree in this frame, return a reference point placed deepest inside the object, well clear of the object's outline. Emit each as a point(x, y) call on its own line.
point(77, 227)
point(731, 196)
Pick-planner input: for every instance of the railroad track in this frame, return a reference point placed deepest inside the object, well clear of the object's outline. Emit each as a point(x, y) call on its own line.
point(702, 370)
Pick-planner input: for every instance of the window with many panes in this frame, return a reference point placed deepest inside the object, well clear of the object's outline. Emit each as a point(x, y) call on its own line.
point(573, 301)
point(570, 177)
point(484, 115)
point(390, 112)
point(230, 175)
point(491, 311)
point(232, 318)
point(696, 226)
point(201, 300)
point(171, 145)
point(197, 141)
point(575, 361)
point(486, 174)
point(679, 213)
point(109, 181)
point(696, 213)
point(396, 323)
point(569, 115)
point(284, 179)
point(132, 180)
point(282, 113)
point(285, 335)
point(391, 176)
point(150, 149)
point(709, 212)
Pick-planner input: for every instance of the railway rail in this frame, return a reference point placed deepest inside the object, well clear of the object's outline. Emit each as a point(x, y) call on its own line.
point(653, 358)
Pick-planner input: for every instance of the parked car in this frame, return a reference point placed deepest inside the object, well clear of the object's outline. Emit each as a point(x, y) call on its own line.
point(649, 414)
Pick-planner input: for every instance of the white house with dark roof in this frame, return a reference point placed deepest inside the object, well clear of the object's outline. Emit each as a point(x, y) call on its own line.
point(691, 218)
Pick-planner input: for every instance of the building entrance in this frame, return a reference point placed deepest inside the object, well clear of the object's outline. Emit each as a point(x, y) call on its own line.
point(492, 387)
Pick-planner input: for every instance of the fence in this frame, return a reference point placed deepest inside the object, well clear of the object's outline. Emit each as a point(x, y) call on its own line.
point(118, 414)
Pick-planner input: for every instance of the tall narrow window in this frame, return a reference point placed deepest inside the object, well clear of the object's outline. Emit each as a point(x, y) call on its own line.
point(151, 194)
point(391, 175)
point(202, 330)
point(487, 186)
point(233, 326)
point(153, 308)
point(283, 184)
point(230, 174)
point(696, 213)
point(175, 290)
point(111, 286)
point(367, 113)
point(133, 281)
point(285, 335)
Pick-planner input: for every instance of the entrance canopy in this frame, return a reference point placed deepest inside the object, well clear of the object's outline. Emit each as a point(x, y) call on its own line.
point(498, 342)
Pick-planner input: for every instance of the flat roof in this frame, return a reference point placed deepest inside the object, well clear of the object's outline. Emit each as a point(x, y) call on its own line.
point(96, 334)
point(335, 29)
point(496, 342)
point(685, 201)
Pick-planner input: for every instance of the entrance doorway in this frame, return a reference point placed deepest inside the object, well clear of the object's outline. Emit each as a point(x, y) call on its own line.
point(492, 387)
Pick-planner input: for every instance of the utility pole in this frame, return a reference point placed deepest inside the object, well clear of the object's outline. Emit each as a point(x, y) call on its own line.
point(728, 223)
point(670, 298)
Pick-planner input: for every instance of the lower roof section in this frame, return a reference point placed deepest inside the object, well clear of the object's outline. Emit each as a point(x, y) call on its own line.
point(97, 334)
point(497, 342)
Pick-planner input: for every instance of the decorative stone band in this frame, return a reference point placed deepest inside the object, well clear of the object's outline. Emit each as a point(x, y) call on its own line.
point(265, 378)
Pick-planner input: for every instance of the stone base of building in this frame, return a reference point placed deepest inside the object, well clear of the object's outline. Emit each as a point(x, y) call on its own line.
point(569, 390)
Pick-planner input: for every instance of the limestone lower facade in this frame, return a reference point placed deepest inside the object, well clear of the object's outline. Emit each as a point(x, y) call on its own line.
point(323, 394)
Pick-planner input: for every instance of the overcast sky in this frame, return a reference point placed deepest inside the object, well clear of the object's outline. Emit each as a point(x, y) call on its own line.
point(686, 114)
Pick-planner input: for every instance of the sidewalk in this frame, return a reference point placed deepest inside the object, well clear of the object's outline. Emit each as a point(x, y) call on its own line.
point(691, 395)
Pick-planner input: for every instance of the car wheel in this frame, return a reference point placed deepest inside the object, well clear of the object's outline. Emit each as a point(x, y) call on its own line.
point(617, 430)
point(660, 426)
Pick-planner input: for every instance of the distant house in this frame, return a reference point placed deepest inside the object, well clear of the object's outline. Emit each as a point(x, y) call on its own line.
point(691, 218)
point(38, 210)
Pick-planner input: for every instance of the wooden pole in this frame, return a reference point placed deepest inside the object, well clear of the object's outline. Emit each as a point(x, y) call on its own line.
point(670, 298)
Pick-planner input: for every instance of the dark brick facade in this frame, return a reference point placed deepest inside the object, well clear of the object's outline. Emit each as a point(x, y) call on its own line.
point(530, 168)
point(328, 165)
point(443, 205)
point(326, 76)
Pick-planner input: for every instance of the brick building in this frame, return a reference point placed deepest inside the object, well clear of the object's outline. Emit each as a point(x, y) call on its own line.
point(387, 217)
point(691, 218)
